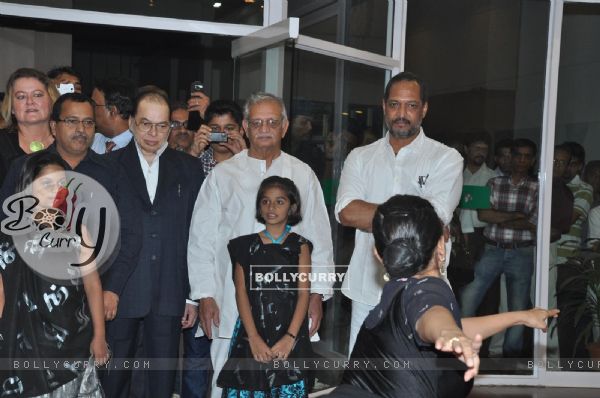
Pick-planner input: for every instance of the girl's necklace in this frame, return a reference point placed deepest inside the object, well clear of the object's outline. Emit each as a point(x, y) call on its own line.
point(281, 237)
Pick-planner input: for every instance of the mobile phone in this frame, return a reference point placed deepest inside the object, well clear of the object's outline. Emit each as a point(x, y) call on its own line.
point(194, 118)
point(218, 136)
point(64, 88)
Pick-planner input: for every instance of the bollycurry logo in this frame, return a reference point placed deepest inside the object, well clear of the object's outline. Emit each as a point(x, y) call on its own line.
point(64, 225)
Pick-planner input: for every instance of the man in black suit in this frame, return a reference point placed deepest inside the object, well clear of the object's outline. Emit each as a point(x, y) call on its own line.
point(160, 186)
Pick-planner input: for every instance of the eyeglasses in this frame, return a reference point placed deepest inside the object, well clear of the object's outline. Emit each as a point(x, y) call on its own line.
point(255, 124)
point(73, 122)
point(561, 162)
point(177, 125)
point(161, 127)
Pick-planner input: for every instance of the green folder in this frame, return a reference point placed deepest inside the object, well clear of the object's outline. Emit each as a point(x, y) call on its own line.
point(475, 197)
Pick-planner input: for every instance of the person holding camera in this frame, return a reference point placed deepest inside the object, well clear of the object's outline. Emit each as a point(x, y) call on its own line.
point(222, 135)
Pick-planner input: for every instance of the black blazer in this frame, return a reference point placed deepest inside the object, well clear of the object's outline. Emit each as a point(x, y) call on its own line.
point(150, 272)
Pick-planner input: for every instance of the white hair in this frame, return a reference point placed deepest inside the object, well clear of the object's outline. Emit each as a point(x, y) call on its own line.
point(258, 97)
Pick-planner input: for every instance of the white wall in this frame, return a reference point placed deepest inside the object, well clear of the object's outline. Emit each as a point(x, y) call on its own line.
point(29, 48)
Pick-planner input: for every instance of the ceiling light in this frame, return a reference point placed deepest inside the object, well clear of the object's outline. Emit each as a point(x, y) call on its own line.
point(217, 5)
point(249, 1)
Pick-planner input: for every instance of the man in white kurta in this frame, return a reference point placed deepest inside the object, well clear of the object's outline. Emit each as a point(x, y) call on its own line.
point(405, 161)
point(226, 208)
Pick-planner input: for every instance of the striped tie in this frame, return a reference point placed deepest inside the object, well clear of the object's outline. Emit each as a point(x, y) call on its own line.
point(109, 146)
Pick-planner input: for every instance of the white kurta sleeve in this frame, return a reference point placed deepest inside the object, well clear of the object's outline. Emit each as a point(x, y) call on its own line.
point(317, 229)
point(202, 262)
point(351, 187)
point(445, 191)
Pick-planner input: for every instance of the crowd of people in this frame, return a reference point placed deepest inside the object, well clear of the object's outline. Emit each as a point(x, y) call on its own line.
point(204, 211)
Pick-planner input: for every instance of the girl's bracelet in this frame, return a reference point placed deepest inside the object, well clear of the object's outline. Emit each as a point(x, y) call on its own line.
point(291, 335)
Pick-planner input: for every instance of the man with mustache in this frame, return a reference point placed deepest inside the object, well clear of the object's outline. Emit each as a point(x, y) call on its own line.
point(224, 210)
point(405, 161)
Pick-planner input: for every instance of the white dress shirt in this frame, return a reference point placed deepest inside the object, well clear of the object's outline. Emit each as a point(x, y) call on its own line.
point(226, 208)
point(468, 218)
point(594, 223)
point(372, 173)
point(150, 170)
point(121, 141)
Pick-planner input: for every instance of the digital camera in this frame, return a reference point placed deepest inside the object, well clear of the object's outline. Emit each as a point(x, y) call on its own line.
point(218, 136)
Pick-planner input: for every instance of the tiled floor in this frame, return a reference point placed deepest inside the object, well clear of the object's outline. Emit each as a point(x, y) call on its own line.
point(523, 392)
point(533, 392)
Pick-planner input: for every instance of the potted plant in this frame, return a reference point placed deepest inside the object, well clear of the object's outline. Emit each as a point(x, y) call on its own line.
point(583, 282)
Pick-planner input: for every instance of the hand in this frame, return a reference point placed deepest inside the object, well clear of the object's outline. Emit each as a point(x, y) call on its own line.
point(99, 350)
point(201, 141)
point(260, 350)
point(446, 233)
point(209, 315)
point(282, 349)
point(536, 318)
point(235, 142)
point(111, 302)
point(198, 102)
point(315, 312)
point(465, 350)
point(189, 316)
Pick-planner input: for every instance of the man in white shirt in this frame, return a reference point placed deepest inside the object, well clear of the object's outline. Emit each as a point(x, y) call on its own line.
point(114, 103)
point(405, 161)
point(591, 175)
point(225, 210)
point(476, 173)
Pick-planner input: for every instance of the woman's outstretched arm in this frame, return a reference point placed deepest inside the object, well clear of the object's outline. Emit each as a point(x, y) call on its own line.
point(489, 325)
point(437, 326)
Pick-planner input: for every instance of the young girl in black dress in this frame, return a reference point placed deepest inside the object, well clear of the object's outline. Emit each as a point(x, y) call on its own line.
point(271, 270)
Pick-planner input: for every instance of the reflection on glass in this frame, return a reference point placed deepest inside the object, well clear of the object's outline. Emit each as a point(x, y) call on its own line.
point(325, 126)
point(249, 75)
point(575, 252)
point(365, 22)
point(229, 11)
point(366, 25)
point(486, 84)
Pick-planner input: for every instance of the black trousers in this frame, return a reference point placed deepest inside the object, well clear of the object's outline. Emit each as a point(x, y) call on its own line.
point(160, 336)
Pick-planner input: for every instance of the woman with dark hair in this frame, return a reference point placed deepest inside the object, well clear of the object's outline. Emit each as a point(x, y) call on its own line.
point(418, 319)
point(26, 110)
point(41, 318)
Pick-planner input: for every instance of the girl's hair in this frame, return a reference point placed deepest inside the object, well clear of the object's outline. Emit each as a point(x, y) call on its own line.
point(406, 231)
point(34, 164)
point(7, 105)
point(290, 190)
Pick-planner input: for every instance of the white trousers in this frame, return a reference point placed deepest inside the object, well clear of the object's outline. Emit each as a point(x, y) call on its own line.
point(359, 313)
point(219, 351)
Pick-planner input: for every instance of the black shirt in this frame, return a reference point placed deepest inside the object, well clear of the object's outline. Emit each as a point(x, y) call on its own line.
point(9, 150)
point(101, 168)
point(389, 337)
